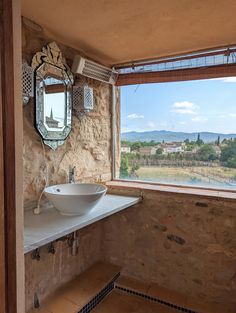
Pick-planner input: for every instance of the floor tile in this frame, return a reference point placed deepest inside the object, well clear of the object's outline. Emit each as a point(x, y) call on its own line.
point(57, 304)
point(81, 291)
point(118, 302)
point(77, 293)
point(115, 303)
point(167, 295)
point(132, 284)
point(202, 307)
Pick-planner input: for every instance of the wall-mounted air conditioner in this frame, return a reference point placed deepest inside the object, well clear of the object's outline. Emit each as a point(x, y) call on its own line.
point(93, 70)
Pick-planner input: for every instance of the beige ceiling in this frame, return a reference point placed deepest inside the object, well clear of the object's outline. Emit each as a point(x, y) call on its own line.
point(118, 31)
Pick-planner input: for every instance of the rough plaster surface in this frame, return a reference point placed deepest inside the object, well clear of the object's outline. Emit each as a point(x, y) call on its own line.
point(115, 32)
point(169, 240)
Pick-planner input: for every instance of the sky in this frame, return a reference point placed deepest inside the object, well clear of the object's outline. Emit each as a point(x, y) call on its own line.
point(56, 103)
point(192, 106)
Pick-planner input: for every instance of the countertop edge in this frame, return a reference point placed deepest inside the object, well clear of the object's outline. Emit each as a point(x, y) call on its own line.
point(30, 247)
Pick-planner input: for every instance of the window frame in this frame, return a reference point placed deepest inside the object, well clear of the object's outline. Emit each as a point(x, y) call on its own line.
point(116, 144)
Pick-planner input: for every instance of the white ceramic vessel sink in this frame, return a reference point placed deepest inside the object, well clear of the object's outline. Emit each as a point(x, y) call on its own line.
point(75, 199)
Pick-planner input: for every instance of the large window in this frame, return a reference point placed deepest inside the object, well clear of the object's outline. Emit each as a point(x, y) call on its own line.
point(180, 133)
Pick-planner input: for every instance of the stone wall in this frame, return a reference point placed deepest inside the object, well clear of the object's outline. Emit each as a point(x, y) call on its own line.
point(88, 147)
point(54, 270)
point(182, 242)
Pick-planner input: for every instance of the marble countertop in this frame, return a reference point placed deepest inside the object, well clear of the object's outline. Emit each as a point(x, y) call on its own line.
point(51, 225)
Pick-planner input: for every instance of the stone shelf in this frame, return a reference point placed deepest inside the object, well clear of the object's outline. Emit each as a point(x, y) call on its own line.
point(51, 225)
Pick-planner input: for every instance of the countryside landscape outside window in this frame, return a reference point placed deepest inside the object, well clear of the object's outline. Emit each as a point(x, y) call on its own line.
point(181, 133)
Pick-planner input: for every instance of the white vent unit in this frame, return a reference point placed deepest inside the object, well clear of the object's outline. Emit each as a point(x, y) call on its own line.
point(93, 70)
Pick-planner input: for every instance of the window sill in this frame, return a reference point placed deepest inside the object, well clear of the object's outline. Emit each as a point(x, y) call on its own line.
point(216, 194)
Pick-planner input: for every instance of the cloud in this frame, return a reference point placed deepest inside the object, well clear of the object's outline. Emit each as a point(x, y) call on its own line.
point(184, 104)
point(229, 80)
point(184, 107)
point(184, 111)
point(182, 123)
point(151, 124)
point(200, 119)
point(232, 114)
point(134, 116)
point(226, 79)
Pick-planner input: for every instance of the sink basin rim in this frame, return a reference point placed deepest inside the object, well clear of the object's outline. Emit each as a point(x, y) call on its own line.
point(75, 199)
point(62, 193)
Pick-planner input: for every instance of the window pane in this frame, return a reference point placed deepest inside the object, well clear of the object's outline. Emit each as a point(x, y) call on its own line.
point(180, 133)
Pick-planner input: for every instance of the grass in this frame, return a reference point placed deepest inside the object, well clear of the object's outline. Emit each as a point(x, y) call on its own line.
point(205, 176)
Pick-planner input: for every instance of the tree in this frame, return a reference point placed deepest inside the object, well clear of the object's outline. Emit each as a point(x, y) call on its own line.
point(228, 154)
point(207, 153)
point(159, 151)
point(218, 141)
point(232, 162)
point(135, 146)
point(135, 167)
point(190, 146)
point(126, 142)
point(199, 141)
point(124, 166)
point(225, 141)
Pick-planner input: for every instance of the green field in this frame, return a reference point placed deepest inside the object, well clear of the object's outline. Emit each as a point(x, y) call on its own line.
point(206, 176)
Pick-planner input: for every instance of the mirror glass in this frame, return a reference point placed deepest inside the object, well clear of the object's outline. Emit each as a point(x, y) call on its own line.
point(55, 114)
point(53, 102)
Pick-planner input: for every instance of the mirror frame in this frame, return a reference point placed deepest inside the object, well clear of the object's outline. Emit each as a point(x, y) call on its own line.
point(50, 61)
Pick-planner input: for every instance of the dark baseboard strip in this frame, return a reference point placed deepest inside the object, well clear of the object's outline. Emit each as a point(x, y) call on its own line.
point(100, 296)
point(147, 297)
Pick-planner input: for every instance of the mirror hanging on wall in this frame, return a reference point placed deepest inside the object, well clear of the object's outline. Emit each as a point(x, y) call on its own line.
point(53, 95)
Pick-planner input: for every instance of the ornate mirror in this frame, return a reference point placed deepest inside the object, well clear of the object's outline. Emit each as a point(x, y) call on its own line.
point(53, 95)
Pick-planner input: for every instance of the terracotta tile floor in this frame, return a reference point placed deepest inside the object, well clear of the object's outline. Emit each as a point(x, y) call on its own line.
point(74, 295)
point(153, 290)
point(118, 302)
point(78, 292)
point(174, 297)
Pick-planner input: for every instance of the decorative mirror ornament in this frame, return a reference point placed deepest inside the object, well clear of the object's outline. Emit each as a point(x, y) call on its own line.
point(27, 82)
point(53, 95)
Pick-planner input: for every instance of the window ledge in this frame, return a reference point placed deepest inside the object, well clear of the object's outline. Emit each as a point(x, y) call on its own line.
point(210, 193)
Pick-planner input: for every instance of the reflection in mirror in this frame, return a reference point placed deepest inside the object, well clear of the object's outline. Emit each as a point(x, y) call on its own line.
point(53, 99)
point(55, 114)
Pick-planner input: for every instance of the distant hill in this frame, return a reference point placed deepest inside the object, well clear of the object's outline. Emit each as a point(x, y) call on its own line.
point(170, 136)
